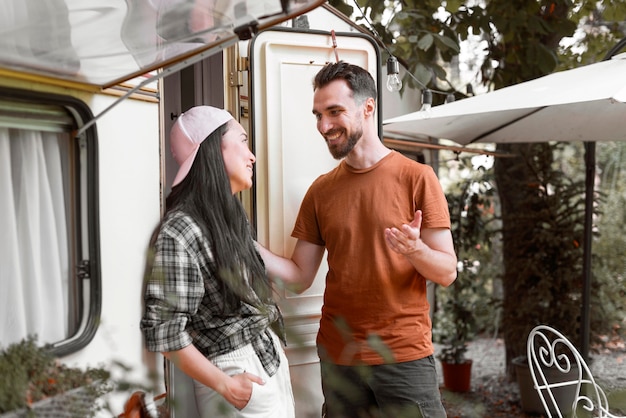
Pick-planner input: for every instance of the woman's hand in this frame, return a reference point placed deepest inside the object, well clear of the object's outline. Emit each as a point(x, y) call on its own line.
point(238, 389)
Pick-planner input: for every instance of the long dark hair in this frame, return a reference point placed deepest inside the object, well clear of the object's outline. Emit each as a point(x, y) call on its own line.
point(205, 195)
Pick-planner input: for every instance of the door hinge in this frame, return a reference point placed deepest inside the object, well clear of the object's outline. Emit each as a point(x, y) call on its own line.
point(235, 78)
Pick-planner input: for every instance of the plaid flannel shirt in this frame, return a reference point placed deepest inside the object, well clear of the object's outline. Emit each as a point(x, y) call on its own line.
point(184, 303)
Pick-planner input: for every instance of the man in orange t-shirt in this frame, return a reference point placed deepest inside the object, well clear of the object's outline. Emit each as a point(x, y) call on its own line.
point(374, 342)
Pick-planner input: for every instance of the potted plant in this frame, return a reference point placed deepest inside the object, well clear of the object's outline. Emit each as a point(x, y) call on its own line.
point(463, 305)
point(456, 367)
point(34, 383)
point(464, 300)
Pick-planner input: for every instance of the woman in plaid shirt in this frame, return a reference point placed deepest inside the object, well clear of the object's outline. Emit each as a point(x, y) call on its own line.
point(208, 300)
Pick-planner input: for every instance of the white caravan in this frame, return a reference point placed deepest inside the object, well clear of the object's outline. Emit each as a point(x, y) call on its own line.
point(88, 92)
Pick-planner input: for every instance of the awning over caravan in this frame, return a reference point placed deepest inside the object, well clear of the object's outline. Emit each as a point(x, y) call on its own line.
point(105, 42)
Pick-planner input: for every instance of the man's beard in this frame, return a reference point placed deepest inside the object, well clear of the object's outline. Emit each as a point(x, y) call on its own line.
point(339, 151)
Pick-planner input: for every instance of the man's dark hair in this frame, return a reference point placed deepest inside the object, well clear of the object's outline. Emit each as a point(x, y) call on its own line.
point(359, 80)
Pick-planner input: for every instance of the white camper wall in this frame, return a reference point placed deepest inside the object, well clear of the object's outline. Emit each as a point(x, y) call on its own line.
point(129, 204)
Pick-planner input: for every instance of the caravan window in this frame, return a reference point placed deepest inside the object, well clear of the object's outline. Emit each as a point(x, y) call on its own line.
point(49, 270)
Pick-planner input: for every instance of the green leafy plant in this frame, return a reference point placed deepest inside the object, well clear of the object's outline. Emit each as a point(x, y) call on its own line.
point(30, 374)
point(456, 322)
point(468, 299)
point(543, 268)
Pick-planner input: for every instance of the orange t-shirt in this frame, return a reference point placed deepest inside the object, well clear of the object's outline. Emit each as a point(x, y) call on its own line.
point(375, 301)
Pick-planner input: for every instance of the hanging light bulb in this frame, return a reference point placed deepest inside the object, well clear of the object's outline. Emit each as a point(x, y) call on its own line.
point(393, 69)
point(427, 100)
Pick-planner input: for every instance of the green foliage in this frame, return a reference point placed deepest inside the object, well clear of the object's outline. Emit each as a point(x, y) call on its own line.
point(600, 28)
point(412, 34)
point(522, 36)
point(523, 39)
point(543, 215)
point(467, 303)
point(608, 263)
point(543, 218)
point(30, 373)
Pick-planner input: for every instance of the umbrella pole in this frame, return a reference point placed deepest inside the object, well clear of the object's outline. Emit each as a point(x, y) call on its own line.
point(590, 170)
point(590, 174)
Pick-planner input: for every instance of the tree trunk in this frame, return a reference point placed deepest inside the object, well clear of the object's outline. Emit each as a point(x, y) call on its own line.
point(517, 189)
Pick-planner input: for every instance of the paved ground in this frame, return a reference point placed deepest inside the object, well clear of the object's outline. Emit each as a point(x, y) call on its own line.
point(493, 396)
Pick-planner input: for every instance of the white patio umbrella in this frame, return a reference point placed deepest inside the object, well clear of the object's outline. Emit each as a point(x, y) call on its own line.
point(583, 104)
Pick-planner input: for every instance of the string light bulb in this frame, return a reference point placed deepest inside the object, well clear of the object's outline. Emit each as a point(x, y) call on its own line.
point(427, 100)
point(393, 69)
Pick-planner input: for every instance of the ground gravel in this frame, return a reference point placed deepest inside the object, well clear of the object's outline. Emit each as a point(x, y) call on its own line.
point(492, 395)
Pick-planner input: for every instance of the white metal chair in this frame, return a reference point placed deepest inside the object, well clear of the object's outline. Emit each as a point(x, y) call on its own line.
point(550, 351)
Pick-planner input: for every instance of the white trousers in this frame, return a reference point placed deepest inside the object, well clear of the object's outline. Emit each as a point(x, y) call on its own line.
point(274, 399)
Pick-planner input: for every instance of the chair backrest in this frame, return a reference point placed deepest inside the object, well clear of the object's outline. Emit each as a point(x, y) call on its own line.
point(556, 365)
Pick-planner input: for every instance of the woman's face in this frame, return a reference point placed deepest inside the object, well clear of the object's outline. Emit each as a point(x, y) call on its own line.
point(238, 158)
